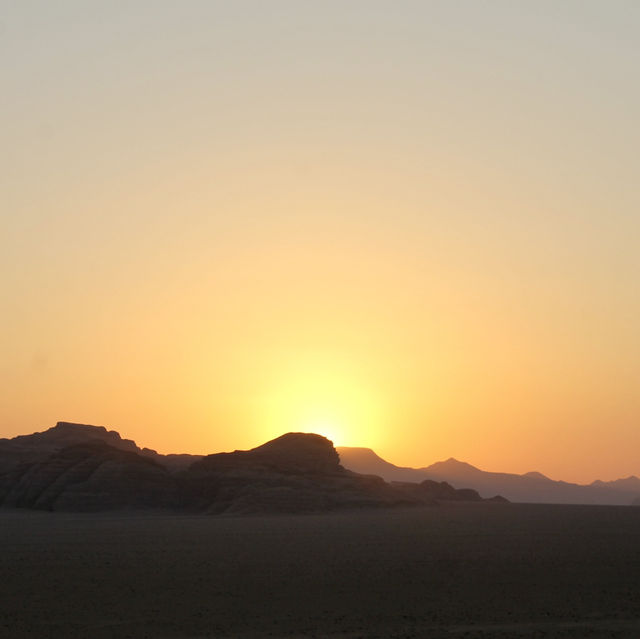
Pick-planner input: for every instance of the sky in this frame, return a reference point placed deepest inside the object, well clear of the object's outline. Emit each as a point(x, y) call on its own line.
point(411, 226)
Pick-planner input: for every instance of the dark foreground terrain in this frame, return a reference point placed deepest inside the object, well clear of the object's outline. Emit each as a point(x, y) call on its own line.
point(458, 570)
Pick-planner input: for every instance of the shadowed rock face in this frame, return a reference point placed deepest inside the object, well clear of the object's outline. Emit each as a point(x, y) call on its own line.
point(296, 472)
point(89, 477)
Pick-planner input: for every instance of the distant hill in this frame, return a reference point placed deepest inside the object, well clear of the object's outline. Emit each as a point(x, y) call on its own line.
point(627, 484)
point(531, 487)
point(365, 461)
point(79, 467)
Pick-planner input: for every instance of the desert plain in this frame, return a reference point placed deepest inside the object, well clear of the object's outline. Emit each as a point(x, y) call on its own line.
point(450, 570)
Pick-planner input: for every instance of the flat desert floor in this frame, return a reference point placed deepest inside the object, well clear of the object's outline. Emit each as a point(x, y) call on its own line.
point(466, 570)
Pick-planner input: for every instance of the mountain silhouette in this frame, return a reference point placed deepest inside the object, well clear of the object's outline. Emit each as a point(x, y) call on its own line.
point(627, 484)
point(453, 467)
point(532, 487)
point(79, 467)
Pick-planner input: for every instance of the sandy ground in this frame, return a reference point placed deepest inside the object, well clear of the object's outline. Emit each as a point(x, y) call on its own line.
point(466, 570)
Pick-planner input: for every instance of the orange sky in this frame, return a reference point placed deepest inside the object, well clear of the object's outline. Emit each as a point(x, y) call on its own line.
point(409, 226)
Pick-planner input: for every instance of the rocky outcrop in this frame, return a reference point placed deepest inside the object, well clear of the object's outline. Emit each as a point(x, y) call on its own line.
point(293, 453)
point(430, 491)
point(38, 446)
point(296, 472)
point(65, 434)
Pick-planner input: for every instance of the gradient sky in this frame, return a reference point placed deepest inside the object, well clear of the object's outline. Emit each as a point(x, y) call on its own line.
point(413, 226)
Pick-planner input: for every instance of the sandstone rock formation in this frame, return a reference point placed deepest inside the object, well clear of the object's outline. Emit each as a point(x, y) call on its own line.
point(293, 473)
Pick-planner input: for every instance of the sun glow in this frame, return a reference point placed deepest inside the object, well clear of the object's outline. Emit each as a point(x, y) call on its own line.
point(328, 428)
point(330, 400)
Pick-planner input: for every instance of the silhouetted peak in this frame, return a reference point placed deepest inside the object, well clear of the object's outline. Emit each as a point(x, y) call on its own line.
point(452, 465)
point(297, 442)
point(290, 453)
point(88, 431)
point(360, 453)
point(452, 461)
point(632, 482)
point(67, 434)
point(306, 452)
point(71, 427)
point(534, 474)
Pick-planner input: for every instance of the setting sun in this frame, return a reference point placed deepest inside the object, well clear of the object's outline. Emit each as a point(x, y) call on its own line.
point(324, 394)
point(328, 428)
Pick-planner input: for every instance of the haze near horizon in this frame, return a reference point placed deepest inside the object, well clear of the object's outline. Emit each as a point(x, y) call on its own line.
point(409, 226)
